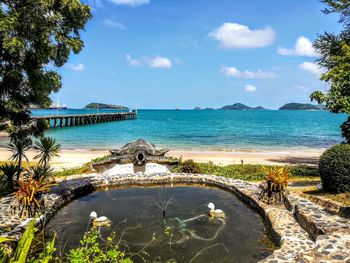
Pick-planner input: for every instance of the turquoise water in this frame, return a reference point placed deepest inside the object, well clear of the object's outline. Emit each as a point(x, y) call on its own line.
point(215, 130)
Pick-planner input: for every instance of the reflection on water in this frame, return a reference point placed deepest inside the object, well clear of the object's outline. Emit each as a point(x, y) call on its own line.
point(187, 233)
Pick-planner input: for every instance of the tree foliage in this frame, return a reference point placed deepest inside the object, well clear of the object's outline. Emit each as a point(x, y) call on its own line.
point(33, 35)
point(334, 51)
point(47, 148)
point(334, 169)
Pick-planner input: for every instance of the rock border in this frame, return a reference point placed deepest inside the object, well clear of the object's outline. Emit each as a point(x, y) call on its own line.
point(304, 232)
point(331, 206)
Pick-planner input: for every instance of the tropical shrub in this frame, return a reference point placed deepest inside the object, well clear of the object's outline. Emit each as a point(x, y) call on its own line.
point(278, 177)
point(48, 254)
point(189, 166)
point(334, 169)
point(90, 250)
point(276, 183)
point(249, 172)
point(29, 194)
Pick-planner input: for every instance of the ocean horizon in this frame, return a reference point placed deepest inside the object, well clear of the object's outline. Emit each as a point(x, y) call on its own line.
point(211, 130)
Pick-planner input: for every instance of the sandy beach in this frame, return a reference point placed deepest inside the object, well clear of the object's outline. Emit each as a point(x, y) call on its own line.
point(76, 158)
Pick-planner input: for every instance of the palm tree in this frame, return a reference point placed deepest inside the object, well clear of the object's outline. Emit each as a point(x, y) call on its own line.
point(9, 170)
point(47, 148)
point(19, 145)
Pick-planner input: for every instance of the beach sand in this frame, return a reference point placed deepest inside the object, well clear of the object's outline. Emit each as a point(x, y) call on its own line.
point(76, 158)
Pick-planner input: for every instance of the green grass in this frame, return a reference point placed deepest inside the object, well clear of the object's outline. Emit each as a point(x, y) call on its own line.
point(73, 171)
point(67, 171)
point(86, 168)
point(250, 172)
point(100, 159)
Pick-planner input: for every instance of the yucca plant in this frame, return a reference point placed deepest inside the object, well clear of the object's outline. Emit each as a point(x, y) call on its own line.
point(9, 171)
point(276, 183)
point(48, 148)
point(39, 172)
point(29, 194)
point(19, 145)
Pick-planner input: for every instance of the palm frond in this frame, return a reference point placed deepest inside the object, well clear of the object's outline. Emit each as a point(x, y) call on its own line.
point(48, 148)
point(19, 146)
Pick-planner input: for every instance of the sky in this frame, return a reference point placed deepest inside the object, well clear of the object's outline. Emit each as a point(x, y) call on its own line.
point(167, 54)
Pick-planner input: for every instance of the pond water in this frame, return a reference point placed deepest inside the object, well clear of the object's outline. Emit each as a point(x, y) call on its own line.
point(187, 234)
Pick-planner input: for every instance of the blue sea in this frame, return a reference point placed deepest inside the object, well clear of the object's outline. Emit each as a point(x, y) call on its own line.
point(205, 129)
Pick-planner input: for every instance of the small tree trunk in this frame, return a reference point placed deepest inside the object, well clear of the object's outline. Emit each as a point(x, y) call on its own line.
point(19, 167)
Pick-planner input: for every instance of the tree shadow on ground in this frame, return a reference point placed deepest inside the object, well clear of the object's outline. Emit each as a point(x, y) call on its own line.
point(309, 161)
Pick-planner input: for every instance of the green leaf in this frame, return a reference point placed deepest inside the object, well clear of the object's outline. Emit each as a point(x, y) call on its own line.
point(5, 239)
point(24, 244)
point(4, 257)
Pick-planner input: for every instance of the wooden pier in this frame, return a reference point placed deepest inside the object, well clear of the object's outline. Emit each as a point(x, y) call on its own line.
point(84, 119)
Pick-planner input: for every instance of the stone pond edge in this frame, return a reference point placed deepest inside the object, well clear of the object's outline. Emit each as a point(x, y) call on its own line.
point(284, 226)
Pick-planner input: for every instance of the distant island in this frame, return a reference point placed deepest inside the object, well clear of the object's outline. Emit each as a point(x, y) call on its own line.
point(95, 105)
point(302, 106)
point(199, 108)
point(240, 106)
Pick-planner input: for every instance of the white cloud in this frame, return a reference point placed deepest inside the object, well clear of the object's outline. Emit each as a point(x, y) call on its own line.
point(132, 3)
point(153, 62)
point(189, 43)
point(246, 74)
point(301, 87)
point(77, 67)
point(113, 23)
point(303, 47)
point(159, 62)
point(133, 61)
point(233, 35)
point(95, 3)
point(312, 68)
point(250, 88)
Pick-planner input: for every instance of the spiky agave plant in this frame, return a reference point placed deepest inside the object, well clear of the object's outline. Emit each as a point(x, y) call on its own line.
point(278, 176)
point(276, 182)
point(9, 171)
point(48, 148)
point(29, 194)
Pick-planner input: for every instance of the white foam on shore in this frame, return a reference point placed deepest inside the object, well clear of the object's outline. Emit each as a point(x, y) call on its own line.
point(149, 168)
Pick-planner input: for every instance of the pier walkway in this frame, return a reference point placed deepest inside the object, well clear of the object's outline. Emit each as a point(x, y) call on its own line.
point(85, 119)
